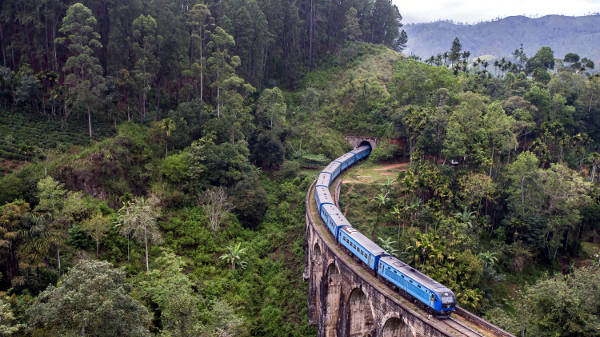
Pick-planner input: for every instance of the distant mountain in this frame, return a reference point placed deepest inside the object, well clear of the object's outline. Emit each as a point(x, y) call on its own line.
point(501, 37)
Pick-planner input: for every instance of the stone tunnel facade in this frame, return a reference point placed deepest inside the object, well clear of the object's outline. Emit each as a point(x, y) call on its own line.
point(343, 303)
point(355, 141)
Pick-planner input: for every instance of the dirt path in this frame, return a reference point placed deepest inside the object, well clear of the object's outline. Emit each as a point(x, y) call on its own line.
point(402, 166)
point(346, 195)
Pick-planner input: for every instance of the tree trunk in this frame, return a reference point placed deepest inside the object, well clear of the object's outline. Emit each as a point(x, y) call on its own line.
point(97, 243)
point(89, 120)
point(201, 66)
point(146, 244)
point(127, 247)
point(58, 258)
point(492, 165)
point(311, 33)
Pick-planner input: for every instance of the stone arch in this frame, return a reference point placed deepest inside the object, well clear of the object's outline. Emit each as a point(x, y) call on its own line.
point(396, 327)
point(359, 315)
point(316, 253)
point(356, 141)
point(366, 142)
point(332, 292)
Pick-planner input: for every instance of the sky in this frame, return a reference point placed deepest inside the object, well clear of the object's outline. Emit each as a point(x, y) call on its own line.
point(472, 11)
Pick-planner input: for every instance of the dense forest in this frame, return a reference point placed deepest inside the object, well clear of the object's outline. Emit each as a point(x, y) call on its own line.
point(155, 155)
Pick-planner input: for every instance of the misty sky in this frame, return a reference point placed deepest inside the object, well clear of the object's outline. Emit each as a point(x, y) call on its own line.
point(471, 11)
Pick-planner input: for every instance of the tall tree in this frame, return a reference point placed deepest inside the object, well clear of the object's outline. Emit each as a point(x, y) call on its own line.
point(145, 45)
point(197, 19)
point(271, 106)
point(455, 51)
point(51, 196)
point(402, 41)
point(11, 216)
point(351, 29)
point(97, 226)
point(139, 218)
point(169, 288)
point(84, 80)
point(221, 64)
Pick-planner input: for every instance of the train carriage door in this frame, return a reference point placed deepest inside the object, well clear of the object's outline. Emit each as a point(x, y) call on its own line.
point(370, 259)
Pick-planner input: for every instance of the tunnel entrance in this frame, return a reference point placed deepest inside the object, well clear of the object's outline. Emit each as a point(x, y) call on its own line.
point(360, 316)
point(365, 142)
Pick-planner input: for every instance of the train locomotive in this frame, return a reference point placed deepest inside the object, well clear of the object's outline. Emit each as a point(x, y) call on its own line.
point(431, 294)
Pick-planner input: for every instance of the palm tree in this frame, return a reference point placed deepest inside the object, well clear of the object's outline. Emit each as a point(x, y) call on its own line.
point(138, 218)
point(234, 256)
point(380, 200)
point(388, 245)
point(465, 217)
point(398, 214)
point(167, 125)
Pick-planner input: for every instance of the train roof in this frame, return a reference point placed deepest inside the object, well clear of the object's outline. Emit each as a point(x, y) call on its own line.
point(331, 167)
point(361, 148)
point(337, 216)
point(345, 157)
point(414, 274)
point(364, 241)
point(324, 195)
point(324, 179)
point(393, 261)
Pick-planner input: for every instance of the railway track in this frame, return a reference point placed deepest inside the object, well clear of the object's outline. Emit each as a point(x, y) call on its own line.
point(460, 327)
point(461, 323)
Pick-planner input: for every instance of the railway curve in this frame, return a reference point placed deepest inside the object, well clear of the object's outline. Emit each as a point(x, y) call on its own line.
point(346, 299)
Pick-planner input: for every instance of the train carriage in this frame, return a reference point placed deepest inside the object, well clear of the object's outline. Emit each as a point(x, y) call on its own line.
point(334, 168)
point(420, 286)
point(335, 220)
point(346, 160)
point(324, 179)
point(323, 197)
point(362, 151)
point(361, 246)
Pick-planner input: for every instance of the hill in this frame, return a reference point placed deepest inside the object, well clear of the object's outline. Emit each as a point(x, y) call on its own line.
point(499, 38)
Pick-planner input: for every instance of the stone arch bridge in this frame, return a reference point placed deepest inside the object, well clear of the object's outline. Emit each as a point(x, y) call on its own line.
point(346, 300)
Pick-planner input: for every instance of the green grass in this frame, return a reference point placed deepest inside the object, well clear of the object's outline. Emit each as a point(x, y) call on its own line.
point(372, 173)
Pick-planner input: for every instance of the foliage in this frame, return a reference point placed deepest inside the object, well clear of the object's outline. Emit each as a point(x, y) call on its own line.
point(84, 80)
point(558, 306)
point(92, 298)
point(168, 288)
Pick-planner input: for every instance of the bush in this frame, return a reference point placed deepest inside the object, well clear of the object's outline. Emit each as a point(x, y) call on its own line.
point(386, 152)
point(288, 169)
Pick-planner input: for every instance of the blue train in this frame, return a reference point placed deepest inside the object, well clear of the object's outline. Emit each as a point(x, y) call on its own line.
point(431, 294)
